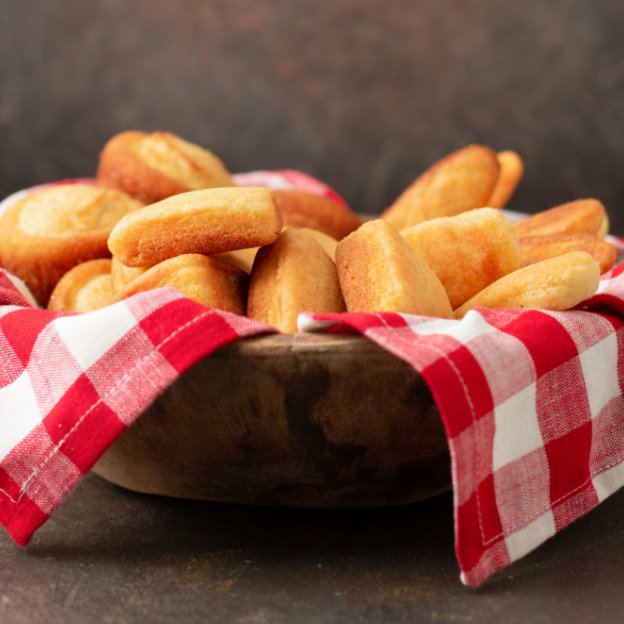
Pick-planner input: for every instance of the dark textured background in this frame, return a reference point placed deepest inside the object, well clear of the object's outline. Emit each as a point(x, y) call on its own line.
point(361, 93)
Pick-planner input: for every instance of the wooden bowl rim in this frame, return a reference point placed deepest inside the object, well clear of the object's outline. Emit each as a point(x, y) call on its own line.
point(302, 342)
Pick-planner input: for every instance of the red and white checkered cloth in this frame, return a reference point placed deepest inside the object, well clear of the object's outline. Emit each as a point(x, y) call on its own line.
point(531, 400)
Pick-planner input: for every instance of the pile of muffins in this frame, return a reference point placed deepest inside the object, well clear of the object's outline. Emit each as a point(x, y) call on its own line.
point(166, 212)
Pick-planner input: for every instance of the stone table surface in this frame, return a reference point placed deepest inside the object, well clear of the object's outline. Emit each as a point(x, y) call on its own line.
point(109, 555)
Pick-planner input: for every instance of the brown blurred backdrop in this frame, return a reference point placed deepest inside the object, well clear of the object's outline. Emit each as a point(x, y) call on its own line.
point(361, 93)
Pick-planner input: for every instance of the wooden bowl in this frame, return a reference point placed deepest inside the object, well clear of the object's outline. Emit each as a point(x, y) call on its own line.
point(299, 420)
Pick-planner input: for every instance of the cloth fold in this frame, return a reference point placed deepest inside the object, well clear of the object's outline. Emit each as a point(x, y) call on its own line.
point(531, 400)
point(70, 385)
point(533, 410)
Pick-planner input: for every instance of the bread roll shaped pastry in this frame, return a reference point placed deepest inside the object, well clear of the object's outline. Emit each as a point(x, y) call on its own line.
point(581, 215)
point(536, 248)
point(210, 221)
point(468, 251)
point(121, 275)
point(558, 283)
point(327, 242)
point(380, 272)
point(458, 182)
point(201, 278)
point(154, 166)
point(511, 170)
point(54, 228)
point(84, 288)
point(308, 210)
point(294, 274)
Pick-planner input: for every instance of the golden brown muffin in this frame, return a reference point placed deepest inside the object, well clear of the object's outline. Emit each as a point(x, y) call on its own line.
point(121, 275)
point(461, 181)
point(292, 275)
point(536, 248)
point(155, 166)
point(558, 283)
point(582, 215)
point(84, 288)
point(207, 222)
point(468, 251)
point(201, 278)
point(511, 170)
point(55, 228)
point(380, 272)
point(301, 209)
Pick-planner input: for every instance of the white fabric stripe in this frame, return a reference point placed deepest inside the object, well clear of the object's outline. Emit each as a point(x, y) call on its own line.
point(269, 179)
point(143, 304)
point(599, 364)
point(607, 286)
point(88, 336)
point(19, 413)
point(464, 331)
point(582, 333)
point(23, 289)
point(52, 369)
point(599, 361)
point(467, 329)
point(517, 428)
point(47, 486)
point(606, 483)
point(530, 537)
point(307, 324)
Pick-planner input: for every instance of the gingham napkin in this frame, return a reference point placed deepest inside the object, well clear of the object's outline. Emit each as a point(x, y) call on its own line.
point(533, 410)
point(531, 400)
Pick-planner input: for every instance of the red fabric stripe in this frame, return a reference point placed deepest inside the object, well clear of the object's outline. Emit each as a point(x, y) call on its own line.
point(9, 295)
point(547, 342)
point(22, 520)
point(489, 517)
point(22, 328)
point(307, 183)
point(159, 325)
point(18, 514)
point(607, 448)
point(474, 381)
point(76, 402)
point(494, 557)
point(574, 505)
point(11, 367)
point(606, 302)
point(187, 350)
point(476, 516)
point(562, 403)
point(568, 460)
point(9, 488)
point(448, 392)
point(98, 429)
